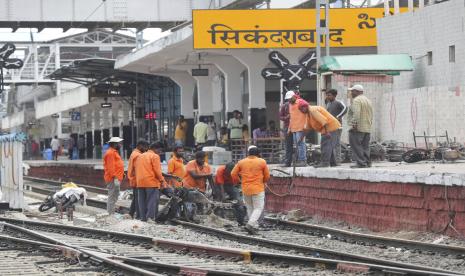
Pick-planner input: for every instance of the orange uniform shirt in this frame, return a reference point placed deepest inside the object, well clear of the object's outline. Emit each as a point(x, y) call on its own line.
point(221, 178)
point(253, 172)
point(113, 166)
point(298, 119)
point(132, 167)
point(319, 117)
point(176, 167)
point(190, 182)
point(148, 170)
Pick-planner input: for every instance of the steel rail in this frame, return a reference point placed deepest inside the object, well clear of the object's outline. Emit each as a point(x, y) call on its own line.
point(140, 267)
point(248, 256)
point(366, 239)
point(71, 252)
point(314, 251)
point(89, 188)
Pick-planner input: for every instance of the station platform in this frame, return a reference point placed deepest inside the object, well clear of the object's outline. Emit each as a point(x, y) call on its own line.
point(424, 196)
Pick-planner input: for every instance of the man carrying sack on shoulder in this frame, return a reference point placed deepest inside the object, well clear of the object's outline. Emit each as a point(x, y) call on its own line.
point(320, 120)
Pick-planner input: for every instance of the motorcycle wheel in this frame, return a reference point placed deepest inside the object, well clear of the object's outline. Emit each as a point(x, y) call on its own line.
point(45, 206)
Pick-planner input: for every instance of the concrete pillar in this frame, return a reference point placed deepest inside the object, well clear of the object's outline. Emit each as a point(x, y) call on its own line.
point(396, 7)
point(205, 92)
point(231, 69)
point(254, 60)
point(217, 105)
point(97, 119)
point(421, 4)
point(187, 84)
point(410, 5)
point(106, 118)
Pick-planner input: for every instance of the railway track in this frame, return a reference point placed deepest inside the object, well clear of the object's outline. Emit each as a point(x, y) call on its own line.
point(368, 240)
point(149, 253)
point(29, 257)
point(303, 239)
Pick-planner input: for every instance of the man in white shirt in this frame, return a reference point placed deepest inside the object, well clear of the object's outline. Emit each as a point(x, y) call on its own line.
point(55, 145)
point(200, 134)
point(235, 126)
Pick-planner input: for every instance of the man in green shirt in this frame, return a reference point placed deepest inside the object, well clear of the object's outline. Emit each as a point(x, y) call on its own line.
point(235, 126)
point(360, 120)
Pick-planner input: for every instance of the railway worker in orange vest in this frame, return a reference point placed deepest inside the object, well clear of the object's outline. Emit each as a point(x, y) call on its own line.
point(320, 120)
point(225, 184)
point(113, 167)
point(141, 147)
point(298, 109)
point(176, 166)
point(197, 173)
point(253, 172)
point(149, 179)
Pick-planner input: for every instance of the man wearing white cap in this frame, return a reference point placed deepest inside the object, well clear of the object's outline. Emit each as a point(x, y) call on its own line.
point(360, 120)
point(298, 109)
point(113, 167)
point(253, 172)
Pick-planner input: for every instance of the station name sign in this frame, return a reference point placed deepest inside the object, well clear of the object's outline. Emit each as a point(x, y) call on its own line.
point(287, 28)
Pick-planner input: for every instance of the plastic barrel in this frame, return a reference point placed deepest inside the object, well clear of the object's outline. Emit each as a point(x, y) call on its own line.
point(48, 154)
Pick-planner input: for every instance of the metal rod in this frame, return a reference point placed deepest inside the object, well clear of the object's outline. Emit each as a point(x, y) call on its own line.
point(327, 27)
point(318, 49)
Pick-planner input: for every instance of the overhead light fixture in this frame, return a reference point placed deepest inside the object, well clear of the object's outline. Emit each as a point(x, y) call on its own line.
point(56, 115)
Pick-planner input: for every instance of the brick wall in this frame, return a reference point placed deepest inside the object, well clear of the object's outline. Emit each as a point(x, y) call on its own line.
point(79, 175)
point(376, 206)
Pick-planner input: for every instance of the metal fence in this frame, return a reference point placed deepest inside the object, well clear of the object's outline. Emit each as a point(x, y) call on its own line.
point(271, 149)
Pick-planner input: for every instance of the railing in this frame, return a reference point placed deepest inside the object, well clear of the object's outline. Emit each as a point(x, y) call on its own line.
point(271, 149)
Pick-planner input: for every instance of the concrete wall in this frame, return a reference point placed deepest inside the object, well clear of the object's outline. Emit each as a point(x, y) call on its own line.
point(375, 87)
point(433, 28)
point(398, 113)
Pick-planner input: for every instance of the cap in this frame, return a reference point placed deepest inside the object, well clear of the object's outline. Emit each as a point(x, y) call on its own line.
point(289, 94)
point(357, 87)
point(115, 140)
point(252, 147)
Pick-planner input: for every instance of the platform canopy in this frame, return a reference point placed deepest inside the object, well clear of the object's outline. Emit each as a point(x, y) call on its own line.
point(387, 64)
point(100, 75)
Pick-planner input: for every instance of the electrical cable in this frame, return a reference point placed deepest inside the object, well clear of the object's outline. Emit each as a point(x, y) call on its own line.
point(92, 13)
point(291, 182)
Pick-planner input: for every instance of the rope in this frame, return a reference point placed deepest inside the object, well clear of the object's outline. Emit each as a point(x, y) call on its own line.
point(13, 164)
point(291, 182)
point(451, 215)
point(6, 154)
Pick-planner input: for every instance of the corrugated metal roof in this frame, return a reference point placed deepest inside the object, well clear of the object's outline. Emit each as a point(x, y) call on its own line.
point(367, 63)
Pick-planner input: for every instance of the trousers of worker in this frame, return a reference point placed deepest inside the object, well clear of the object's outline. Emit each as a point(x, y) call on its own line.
point(113, 193)
point(148, 199)
point(328, 148)
point(255, 205)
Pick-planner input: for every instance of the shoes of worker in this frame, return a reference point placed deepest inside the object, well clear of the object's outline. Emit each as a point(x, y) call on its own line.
point(301, 163)
point(252, 230)
point(321, 165)
point(358, 166)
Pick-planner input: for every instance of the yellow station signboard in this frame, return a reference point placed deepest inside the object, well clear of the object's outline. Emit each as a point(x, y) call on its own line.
point(287, 28)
